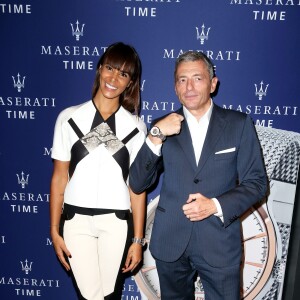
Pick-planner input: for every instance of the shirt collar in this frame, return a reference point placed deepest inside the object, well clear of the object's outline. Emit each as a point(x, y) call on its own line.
point(189, 117)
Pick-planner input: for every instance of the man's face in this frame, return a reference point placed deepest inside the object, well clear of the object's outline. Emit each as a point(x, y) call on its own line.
point(193, 86)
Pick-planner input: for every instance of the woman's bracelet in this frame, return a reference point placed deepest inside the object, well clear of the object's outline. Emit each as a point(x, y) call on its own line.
point(140, 241)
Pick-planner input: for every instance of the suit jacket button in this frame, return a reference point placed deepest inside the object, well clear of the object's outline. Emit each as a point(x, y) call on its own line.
point(148, 165)
point(196, 180)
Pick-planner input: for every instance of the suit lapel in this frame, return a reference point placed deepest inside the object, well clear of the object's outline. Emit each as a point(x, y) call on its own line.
point(185, 141)
point(214, 132)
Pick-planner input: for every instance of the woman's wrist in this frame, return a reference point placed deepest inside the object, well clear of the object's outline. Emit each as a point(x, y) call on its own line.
point(140, 241)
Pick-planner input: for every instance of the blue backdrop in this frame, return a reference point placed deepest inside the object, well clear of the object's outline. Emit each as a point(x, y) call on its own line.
point(48, 55)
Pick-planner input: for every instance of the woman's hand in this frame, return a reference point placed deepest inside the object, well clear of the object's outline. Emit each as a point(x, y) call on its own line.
point(134, 257)
point(61, 250)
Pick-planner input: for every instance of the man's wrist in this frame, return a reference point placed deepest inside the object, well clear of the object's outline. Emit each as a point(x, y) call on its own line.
point(219, 212)
point(155, 140)
point(155, 132)
point(155, 148)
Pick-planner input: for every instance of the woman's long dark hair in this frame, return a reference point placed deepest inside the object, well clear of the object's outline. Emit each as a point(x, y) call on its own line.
point(123, 56)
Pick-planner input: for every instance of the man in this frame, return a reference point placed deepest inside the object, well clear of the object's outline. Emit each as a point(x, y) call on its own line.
point(213, 172)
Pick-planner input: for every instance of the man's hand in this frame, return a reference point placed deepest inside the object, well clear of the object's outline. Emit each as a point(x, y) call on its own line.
point(171, 124)
point(199, 207)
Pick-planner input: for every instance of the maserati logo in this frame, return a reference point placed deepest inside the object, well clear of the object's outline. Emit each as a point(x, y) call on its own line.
point(202, 36)
point(77, 32)
point(18, 84)
point(22, 180)
point(261, 91)
point(25, 266)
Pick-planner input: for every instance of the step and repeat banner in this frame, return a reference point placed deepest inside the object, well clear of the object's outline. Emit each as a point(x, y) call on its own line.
point(48, 56)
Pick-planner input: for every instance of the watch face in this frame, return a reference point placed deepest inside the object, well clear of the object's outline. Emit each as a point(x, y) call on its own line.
point(154, 131)
point(259, 246)
point(147, 278)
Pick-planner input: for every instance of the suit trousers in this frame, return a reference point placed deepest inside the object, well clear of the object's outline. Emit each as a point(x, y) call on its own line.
point(97, 245)
point(177, 278)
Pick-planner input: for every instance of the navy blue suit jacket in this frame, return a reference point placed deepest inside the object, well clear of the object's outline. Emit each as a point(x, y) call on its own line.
point(236, 177)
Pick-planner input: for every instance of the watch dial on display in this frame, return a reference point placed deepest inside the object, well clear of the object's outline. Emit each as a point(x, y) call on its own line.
point(259, 256)
point(147, 278)
point(259, 246)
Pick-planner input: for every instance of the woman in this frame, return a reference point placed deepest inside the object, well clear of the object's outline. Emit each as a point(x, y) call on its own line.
point(94, 145)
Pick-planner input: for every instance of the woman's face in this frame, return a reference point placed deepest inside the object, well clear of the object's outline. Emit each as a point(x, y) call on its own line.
point(113, 82)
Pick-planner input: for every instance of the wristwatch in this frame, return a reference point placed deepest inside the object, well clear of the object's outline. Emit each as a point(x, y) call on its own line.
point(155, 131)
point(136, 240)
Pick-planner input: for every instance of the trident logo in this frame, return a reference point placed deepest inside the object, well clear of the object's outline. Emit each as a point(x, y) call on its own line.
point(142, 85)
point(18, 84)
point(22, 180)
point(25, 267)
point(202, 36)
point(261, 92)
point(77, 32)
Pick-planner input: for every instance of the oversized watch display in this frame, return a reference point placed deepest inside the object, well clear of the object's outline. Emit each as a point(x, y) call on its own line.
point(259, 244)
point(265, 227)
point(155, 131)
